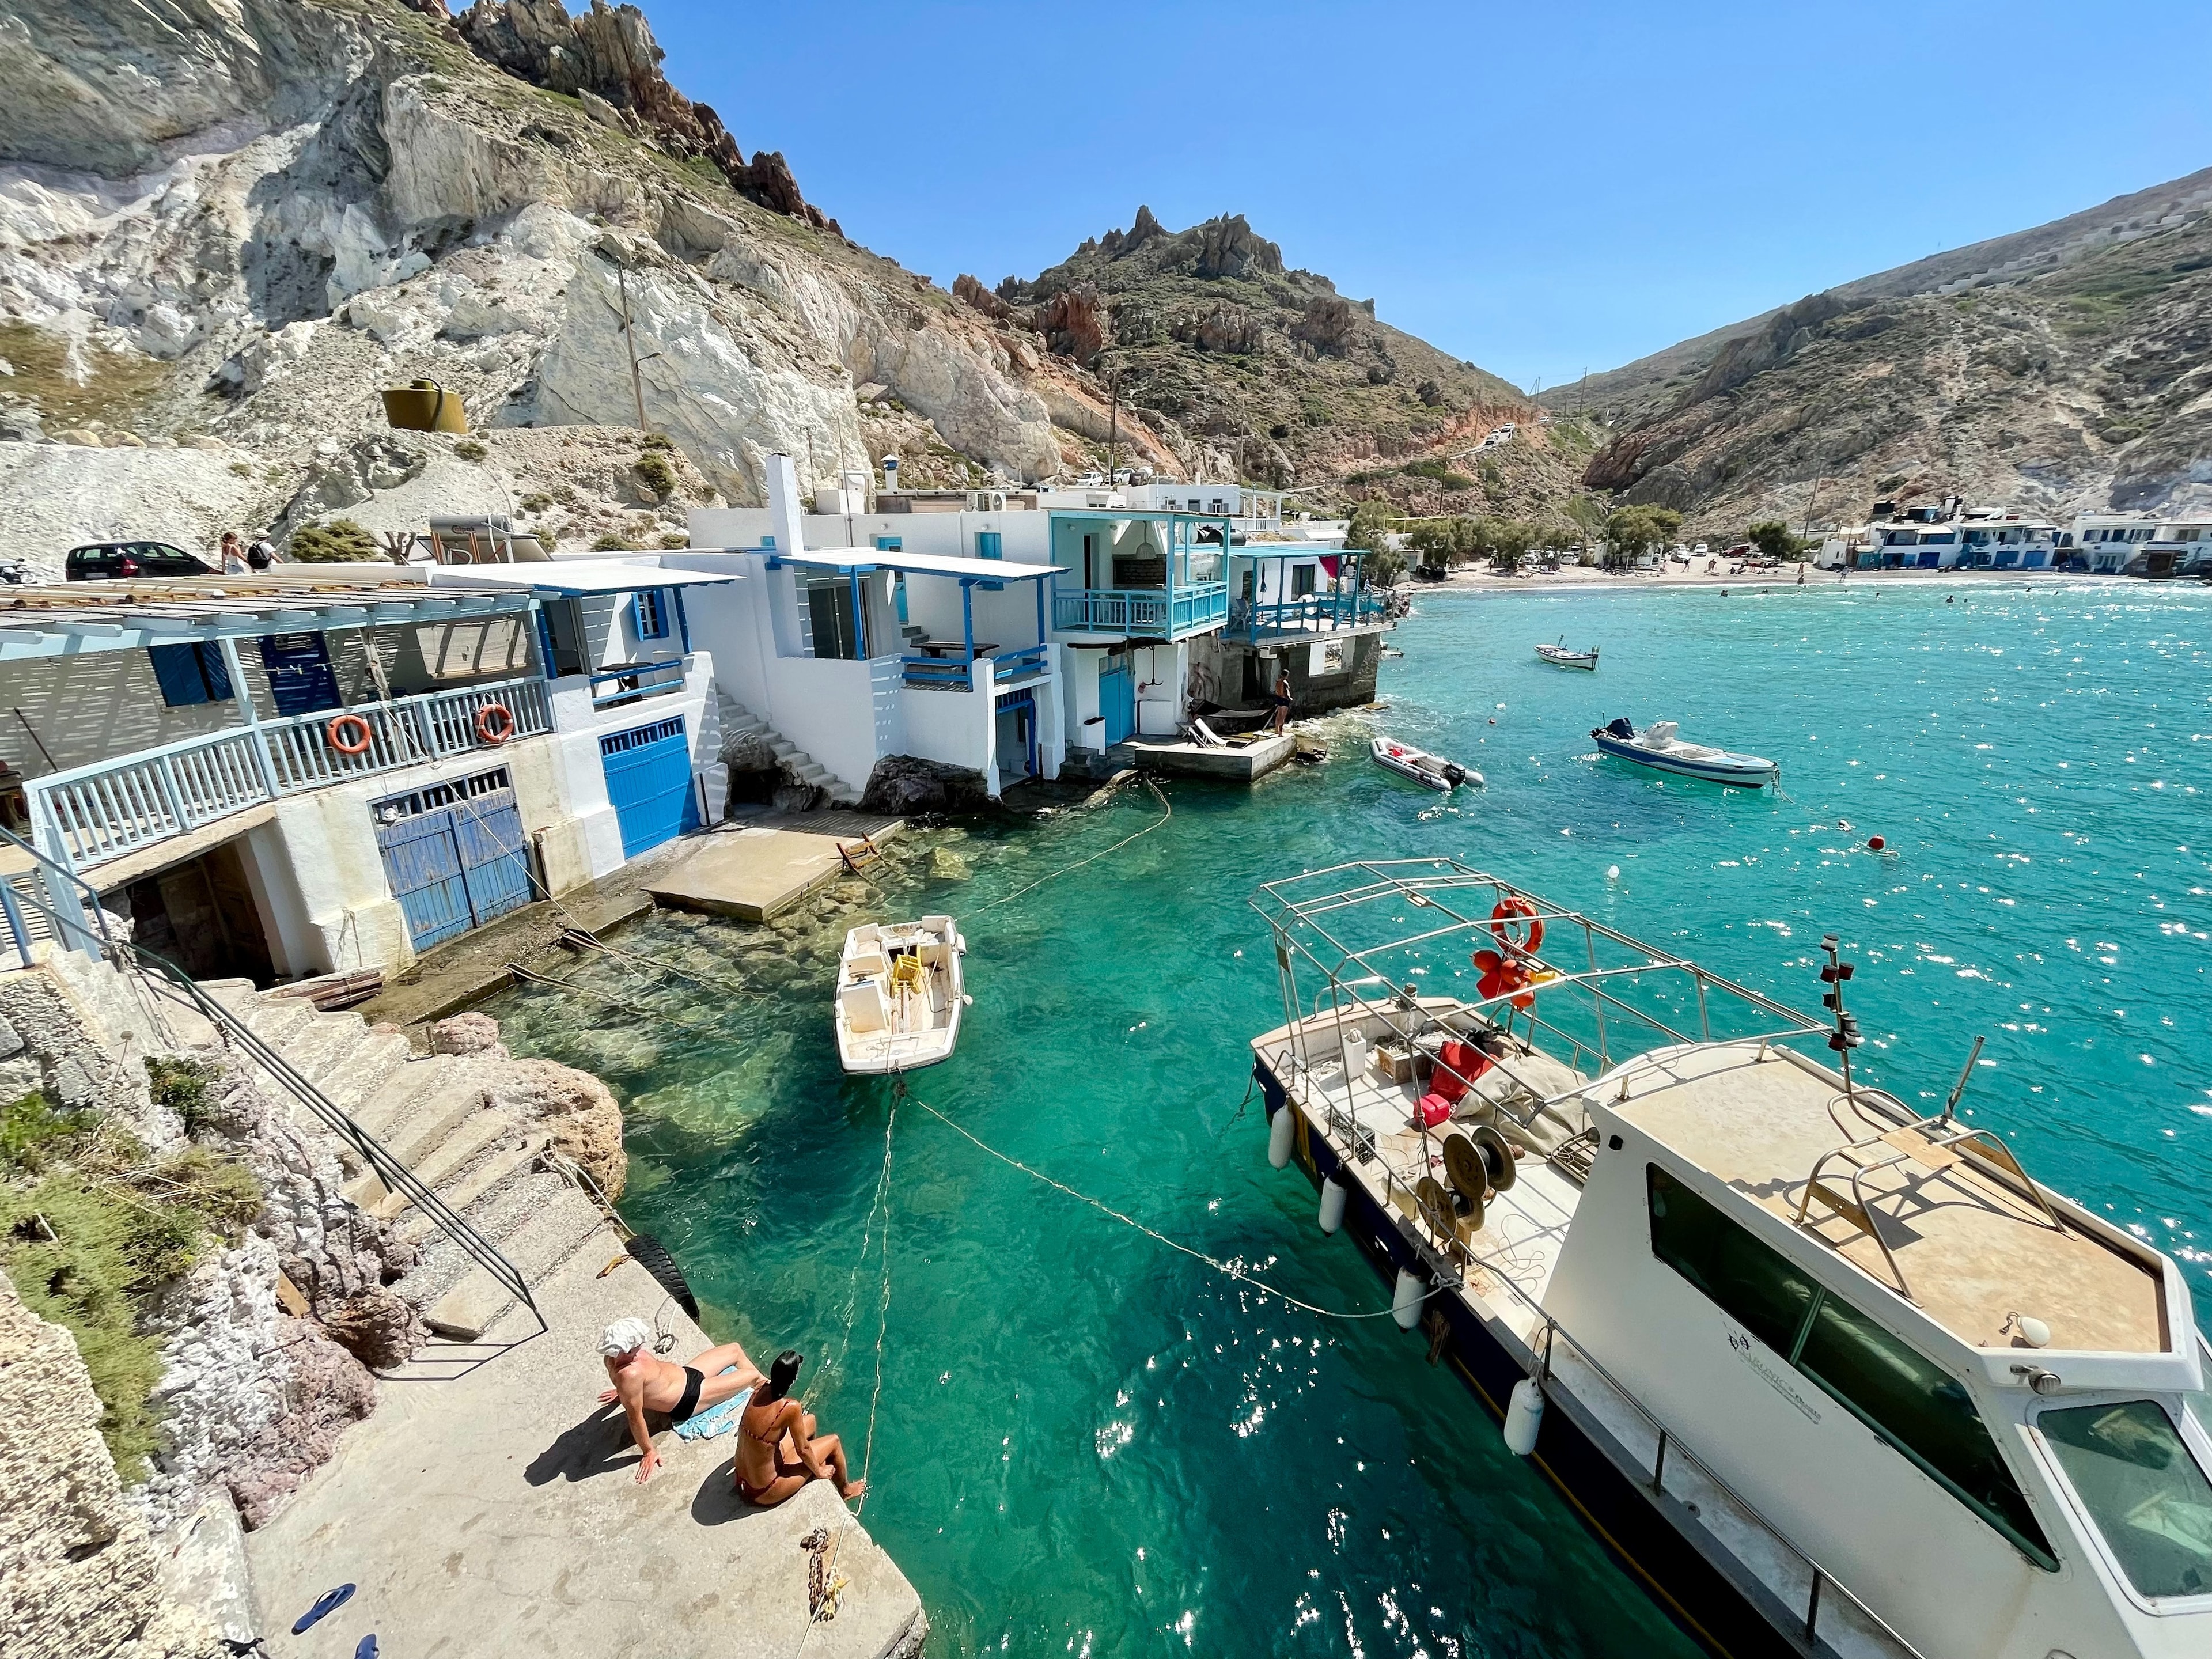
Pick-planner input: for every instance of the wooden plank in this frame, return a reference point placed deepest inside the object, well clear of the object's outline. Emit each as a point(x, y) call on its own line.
point(1921, 1150)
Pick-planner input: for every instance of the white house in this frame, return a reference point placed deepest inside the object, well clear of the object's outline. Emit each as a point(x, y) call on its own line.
point(2103, 543)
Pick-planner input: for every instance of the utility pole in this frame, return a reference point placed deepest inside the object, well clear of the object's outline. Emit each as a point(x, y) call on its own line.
point(1809, 499)
point(629, 339)
point(1113, 423)
point(1581, 393)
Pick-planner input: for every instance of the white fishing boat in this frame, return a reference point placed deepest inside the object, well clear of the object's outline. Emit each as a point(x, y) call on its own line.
point(899, 995)
point(1559, 656)
point(1430, 771)
point(1659, 746)
point(1829, 1370)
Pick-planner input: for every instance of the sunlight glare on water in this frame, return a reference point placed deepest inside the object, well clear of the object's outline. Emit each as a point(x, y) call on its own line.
point(1089, 1444)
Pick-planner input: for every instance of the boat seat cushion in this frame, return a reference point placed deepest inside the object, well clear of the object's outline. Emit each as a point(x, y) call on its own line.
point(863, 1006)
point(868, 962)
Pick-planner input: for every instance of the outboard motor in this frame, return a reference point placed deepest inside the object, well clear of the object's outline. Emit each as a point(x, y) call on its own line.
point(1454, 773)
point(1621, 729)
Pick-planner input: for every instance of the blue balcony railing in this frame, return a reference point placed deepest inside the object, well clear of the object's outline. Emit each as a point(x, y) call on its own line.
point(938, 673)
point(636, 680)
point(1309, 613)
point(1154, 613)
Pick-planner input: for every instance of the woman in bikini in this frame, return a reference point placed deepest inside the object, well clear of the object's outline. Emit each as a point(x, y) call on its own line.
point(778, 1451)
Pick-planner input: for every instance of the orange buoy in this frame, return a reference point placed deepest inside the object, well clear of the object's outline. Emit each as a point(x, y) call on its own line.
point(1876, 842)
point(339, 733)
point(494, 724)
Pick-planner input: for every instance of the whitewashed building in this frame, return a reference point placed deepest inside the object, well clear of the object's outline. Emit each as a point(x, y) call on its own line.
point(283, 775)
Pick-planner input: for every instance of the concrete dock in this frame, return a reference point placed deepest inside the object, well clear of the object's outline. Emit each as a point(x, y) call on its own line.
point(490, 1505)
point(757, 870)
point(1235, 762)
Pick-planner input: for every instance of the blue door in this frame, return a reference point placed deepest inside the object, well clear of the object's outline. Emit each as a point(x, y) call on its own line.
point(300, 677)
point(455, 854)
point(649, 783)
point(1117, 698)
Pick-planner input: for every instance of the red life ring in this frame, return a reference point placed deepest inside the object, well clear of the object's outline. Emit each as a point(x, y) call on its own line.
point(487, 731)
point(343, 723)
point(1523, 941)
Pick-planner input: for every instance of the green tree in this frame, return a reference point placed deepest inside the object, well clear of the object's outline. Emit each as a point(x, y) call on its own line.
point(1370, 532)
point(1434, 542)
point(1773, 538)
point(1634, 531)
point(1509, 539)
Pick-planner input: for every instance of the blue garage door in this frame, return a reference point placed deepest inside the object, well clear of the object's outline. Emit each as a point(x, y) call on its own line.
point(1117, 698)
point(455, 855)
point(650, 782)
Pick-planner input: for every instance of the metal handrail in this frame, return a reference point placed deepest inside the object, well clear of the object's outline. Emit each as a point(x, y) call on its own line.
point(395, 1175)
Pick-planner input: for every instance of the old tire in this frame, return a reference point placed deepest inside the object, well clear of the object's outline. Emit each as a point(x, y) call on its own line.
point(650, 1253)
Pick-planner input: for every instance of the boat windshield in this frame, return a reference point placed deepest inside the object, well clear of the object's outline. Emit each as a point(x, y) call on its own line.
point(2138, 1479)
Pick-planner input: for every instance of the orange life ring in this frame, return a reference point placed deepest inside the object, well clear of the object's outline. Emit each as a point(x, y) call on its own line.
point(485, 729)
point(337, 728)
point(1523, 941)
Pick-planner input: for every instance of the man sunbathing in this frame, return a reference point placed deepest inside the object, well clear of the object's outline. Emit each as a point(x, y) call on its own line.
point(778, 1451)
point(643, 1383)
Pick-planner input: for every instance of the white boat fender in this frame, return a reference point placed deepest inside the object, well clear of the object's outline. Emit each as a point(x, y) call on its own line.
point(1524, 1416)
point(1281, 1133)
point(1406, 1301)
point(1332, 1195)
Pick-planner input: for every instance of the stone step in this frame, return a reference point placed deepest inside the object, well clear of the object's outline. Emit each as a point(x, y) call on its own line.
point(397, 1098)
point(553, 1232)
point(460, 1149)
point(320, 1048)
point(590, 1252)
point(483, 1179)
point(444, 1112)
point(380, 1055)
point(276, 1020)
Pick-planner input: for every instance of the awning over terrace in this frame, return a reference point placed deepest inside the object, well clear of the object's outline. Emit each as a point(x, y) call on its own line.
point(574, 578)
point(127, 615)
point(858, 561)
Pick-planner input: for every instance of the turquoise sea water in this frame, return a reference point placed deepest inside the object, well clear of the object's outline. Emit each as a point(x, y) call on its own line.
point(1085, 1443)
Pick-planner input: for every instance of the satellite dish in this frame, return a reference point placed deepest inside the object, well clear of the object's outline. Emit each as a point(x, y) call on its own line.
point(1497, 1154)
point(1463, 1166)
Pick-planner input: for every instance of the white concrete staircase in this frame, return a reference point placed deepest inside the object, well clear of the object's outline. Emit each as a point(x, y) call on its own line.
point(433, 1112)
point(739, 721)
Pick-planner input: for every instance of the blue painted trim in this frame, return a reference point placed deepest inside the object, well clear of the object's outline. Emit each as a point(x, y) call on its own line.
point(683, 620)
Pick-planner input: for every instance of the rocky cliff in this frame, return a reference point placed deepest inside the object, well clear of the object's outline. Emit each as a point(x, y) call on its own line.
point(1266, 372)
point(226, 224)
point(2057, 369)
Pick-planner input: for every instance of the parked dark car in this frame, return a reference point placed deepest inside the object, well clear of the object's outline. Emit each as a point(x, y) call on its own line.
point(104, 561)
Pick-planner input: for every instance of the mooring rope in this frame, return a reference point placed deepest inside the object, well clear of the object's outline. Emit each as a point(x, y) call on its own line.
point(1166, 812)
point(1218, 1266)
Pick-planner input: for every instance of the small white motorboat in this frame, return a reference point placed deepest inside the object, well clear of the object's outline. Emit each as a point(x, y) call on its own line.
point(899, 995)
point(1430, 771)
point(1658, 747)
point(1560, 657)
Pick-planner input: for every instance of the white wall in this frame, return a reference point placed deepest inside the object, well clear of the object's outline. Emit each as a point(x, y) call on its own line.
point(957, 727)
point(1023, 534)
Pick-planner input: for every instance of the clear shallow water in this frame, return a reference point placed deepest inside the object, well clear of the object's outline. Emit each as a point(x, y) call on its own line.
point(1088, 1445)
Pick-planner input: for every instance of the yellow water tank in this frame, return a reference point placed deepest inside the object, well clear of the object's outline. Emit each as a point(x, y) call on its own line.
point(425, 406)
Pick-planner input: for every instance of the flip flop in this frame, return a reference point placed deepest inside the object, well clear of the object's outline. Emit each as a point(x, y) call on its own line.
point(331, 1602)
point(367, 1648)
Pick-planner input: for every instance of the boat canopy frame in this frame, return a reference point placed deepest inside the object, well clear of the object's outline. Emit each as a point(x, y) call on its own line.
point(1325, 919)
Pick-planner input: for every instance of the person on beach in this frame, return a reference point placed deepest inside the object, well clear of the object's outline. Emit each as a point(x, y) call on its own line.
point(643, 1383)
point(1281, 700)
point(234, 556)
point(778, 1451)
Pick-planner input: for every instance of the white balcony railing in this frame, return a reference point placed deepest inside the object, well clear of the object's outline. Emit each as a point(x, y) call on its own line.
point(92, 814)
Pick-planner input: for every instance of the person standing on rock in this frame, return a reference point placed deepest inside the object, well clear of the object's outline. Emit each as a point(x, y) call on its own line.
point(1281, 701)
point(643, 1383)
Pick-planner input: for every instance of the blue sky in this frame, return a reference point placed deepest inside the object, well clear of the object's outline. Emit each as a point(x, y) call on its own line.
point(1534, 187)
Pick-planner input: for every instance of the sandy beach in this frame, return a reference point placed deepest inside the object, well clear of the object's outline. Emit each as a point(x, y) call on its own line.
point(1585, 577)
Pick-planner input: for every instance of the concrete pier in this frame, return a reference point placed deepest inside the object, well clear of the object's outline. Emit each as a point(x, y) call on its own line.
point(756, 870)
point(490, 1506)
point(1238, 762)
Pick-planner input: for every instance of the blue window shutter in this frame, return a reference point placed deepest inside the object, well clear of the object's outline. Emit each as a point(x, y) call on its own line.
point(214, 671)
point(987, 547)
point(637, 615)
point(177, 669)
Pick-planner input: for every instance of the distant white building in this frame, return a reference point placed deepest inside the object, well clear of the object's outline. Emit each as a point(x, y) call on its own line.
point(2102, 543)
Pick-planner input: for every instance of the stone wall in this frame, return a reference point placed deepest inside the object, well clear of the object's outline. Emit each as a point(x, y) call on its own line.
point(78, 1573)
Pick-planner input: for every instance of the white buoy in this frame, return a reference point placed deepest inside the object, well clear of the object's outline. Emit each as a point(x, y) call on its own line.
point(1524, 1415)
point(1332, 1204)
point(1406, 1301)
point(1280, 1132)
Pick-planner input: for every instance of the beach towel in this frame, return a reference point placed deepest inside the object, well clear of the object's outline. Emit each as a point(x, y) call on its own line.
point(716, 1420)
